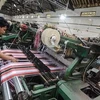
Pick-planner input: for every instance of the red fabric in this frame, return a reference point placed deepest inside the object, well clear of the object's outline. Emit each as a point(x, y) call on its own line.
point(11, 69)
point(9, 74)
point(37, 40)
point(16, 51)
point(23, 27)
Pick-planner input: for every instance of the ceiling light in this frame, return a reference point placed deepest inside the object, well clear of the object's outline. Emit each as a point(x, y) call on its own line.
point(62, 17)
point(90, 19)
point(26, 16)
point(18, 9)
point(98, 27)
point(14, 5)
point(22, 16)
point(38, 16)
point(48, 16)
point(31, 16)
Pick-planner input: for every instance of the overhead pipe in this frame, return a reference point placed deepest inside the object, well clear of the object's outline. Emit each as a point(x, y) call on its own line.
point(6, 91)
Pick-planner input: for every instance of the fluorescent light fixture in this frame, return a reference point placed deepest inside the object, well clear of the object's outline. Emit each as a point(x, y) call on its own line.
point(90, 19)
point(38, 16)
point(31, 16)
point(48, 16)
point(88, 13)
point(98, 27)
point(22, 16)
point(14, 5)
point(62, 17)
point(26, 16)
point(18, 9)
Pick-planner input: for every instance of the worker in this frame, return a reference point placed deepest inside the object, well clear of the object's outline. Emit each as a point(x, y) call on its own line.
point(3, 27)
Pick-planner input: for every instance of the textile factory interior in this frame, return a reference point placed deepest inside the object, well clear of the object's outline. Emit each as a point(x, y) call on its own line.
point(49, 49)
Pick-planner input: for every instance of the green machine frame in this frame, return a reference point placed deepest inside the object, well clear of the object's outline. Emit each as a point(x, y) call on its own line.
point(71, 89)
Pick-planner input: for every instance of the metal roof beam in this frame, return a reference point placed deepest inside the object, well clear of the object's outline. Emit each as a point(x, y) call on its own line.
point(57, 3)
point(52, 7)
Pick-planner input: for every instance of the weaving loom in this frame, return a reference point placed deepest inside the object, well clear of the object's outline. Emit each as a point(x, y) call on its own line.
point(19, 69)
point(41, 75)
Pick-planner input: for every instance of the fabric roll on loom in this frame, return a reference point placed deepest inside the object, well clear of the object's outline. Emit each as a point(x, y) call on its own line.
point(47, 36)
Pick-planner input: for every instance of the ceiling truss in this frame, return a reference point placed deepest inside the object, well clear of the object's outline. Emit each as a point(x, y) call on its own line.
point(19, 7)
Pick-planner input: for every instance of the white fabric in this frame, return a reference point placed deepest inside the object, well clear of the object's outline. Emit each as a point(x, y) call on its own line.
point(47, 34)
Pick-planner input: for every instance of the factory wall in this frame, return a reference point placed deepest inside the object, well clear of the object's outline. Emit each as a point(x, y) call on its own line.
point(71, 22)
point(2, 3)
point(5, 16)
